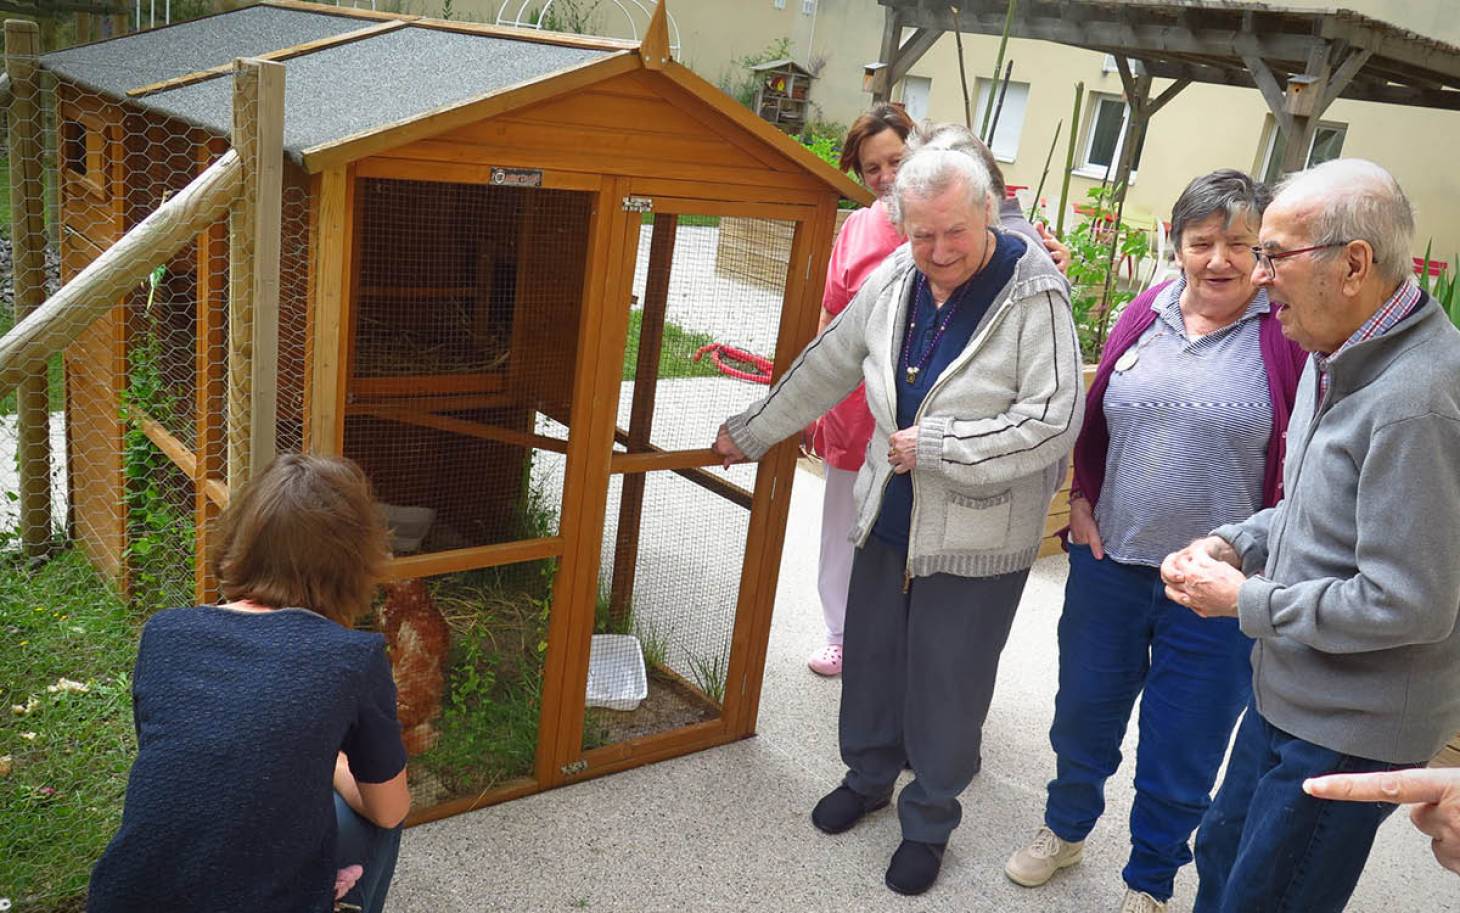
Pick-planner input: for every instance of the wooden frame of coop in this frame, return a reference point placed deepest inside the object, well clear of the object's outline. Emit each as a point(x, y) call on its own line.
point(624, 132)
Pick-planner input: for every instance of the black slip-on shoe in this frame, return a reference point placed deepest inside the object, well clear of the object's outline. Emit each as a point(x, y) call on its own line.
point(842, 808)
point(914, 867)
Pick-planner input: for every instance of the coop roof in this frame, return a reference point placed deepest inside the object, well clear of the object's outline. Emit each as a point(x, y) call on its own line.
point(355, 80)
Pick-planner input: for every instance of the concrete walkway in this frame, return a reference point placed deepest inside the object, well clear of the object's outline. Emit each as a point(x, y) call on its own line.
point(727, 829)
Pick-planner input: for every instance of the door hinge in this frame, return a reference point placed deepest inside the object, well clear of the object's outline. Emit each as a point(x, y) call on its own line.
point(638, 204)
point(576, 767)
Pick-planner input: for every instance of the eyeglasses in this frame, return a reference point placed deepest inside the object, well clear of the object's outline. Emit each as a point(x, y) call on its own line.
point(1269, 259)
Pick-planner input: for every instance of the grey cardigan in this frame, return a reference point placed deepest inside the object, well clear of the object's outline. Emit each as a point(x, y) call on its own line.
point(1358, 590)
point(994, 430)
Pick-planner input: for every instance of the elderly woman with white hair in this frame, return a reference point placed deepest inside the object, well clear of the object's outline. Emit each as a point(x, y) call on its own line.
point(966, 344)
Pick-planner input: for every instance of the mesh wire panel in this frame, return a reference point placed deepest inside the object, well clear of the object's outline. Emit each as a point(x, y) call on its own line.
point(467, 650)
point(674, 542)
point(463, 356)
point(113, 424)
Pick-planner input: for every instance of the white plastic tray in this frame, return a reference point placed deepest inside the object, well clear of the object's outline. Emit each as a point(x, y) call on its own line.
point(616, 676)
point(408, 526)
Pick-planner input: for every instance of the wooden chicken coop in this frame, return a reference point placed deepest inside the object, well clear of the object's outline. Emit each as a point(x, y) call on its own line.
point(498, 292)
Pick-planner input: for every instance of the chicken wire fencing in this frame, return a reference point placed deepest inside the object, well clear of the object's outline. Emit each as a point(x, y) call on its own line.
point(708, 296)
point(461, 369)
point(113, 459)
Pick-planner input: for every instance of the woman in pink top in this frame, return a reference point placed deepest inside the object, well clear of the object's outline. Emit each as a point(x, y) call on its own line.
point(872, 151)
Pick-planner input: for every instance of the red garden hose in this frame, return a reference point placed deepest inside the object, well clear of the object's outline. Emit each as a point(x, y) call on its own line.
point(720, 351)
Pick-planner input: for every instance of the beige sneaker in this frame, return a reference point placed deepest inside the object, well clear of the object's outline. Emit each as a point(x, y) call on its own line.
point(1140, 902)
point(1045, 855)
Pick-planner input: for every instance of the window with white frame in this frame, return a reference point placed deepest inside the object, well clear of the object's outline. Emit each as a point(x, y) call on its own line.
point(1108, 65)
point(808, 7)
point(915, 93)
point(1105, 135)
point(1326, 145)
point(1010, 125)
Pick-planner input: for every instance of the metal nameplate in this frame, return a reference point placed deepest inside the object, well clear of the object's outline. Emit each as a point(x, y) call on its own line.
point(516, 177)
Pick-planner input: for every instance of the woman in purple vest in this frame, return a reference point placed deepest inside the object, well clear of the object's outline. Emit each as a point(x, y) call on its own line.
point(1184, 431)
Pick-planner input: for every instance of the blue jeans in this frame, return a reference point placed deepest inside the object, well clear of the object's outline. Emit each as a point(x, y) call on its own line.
point(1265, 846)
point(1118, 635)
point(360, 842)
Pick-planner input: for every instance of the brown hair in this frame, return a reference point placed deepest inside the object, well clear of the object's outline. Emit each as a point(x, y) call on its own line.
point(883, 116)
point(306, 533)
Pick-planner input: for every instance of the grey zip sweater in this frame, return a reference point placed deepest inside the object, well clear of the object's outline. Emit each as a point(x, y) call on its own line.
point(994, 430)
point(1358, 590)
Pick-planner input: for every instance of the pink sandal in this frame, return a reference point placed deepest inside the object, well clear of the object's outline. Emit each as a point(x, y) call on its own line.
point(827, 661)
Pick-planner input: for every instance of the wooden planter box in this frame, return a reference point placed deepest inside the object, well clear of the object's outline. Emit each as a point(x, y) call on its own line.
point(756, 251)
point(1059, 508)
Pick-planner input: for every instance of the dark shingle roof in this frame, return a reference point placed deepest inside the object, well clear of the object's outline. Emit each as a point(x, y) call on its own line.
point(330, 93)
point(112, 67)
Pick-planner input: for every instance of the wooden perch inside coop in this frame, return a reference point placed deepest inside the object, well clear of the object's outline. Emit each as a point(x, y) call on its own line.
point(466, 428)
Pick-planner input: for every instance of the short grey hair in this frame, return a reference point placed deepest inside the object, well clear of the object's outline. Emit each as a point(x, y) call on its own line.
point(1357, 200)
point(1228, 191)
point(927, 173)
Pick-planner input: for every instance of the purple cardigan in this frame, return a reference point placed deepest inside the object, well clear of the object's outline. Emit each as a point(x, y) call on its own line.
point(1282, 357)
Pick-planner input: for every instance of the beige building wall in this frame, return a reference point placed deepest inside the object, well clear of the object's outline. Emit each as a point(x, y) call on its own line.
point(1204, 128)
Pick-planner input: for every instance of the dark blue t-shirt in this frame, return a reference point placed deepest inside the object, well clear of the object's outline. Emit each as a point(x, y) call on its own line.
point(230, 803)
point(974, 298)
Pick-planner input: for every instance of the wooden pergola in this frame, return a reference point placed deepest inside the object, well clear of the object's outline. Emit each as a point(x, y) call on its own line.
point(1301, 60)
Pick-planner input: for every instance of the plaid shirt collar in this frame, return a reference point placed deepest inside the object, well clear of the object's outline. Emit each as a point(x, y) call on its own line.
point(1404, 300)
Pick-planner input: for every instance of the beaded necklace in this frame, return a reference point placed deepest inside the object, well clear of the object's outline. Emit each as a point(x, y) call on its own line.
point(950, 308)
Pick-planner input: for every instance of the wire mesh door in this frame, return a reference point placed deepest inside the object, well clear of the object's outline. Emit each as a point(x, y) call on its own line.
point(704, 327)
point(461, 369)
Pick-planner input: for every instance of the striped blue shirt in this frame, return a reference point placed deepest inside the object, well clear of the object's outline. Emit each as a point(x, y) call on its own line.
point(1189, 426)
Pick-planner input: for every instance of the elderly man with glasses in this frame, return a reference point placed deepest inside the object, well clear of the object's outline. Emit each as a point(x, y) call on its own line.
point(1350, 585)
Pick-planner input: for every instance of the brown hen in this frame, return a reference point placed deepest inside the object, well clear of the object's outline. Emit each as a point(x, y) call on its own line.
point(419, 639)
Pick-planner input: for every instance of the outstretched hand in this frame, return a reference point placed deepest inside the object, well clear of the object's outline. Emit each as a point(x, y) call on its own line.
point(1435, 792)
point(725, 446)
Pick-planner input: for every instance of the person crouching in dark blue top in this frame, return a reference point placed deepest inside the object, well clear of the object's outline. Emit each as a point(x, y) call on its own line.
point(269, 754)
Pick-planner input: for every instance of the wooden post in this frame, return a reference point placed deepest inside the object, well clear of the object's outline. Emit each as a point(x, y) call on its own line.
point(253, 278)
point(28, 246)
point(211, 393)
point(891, 42)
point(641, 414)
point(328, 337)
point(1059, 225)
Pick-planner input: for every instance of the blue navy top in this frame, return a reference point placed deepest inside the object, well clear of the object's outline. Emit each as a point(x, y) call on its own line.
point(974, 298)
point(1190, 419)
point(240, 716)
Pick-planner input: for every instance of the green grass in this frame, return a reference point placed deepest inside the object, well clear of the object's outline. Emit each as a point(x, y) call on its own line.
point(489, 719)
point(63, 800)
point(686, 221)
point(676, 356)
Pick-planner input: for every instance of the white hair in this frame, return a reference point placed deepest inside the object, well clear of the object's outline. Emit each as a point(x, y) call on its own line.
point(1357, 200)
point(929, 172)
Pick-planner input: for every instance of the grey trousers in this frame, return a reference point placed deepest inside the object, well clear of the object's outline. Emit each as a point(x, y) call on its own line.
point(917, 677)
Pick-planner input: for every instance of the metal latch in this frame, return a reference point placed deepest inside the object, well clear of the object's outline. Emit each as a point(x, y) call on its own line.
point(638, 204)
